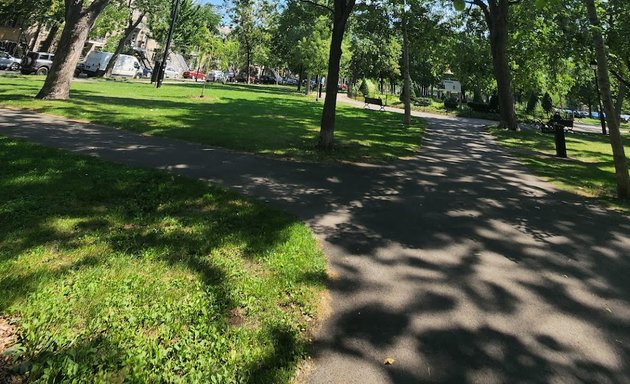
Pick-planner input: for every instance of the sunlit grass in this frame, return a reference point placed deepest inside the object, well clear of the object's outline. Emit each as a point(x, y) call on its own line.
point(271, 120)
point(589, 171)
point(117, 274)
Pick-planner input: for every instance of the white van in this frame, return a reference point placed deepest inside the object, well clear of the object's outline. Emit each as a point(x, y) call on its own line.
point(126, 65)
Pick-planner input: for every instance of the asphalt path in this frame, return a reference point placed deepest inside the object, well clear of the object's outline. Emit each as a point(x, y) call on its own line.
point(457, 265)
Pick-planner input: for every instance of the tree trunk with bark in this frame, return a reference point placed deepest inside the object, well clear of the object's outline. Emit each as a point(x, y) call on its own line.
point(31, 46)
point(496, 15)
point(308, 84)
point(50, 38)
point(342, 11)
point(619, 157)
point(407, 75)
point(79, 21)
point(131, 26)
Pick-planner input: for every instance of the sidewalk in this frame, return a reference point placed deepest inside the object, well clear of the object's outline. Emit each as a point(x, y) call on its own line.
point(458, 264)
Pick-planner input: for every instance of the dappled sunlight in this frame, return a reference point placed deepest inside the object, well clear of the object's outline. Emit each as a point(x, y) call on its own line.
point(152, 264)
point(274, 121)
point(456, 262)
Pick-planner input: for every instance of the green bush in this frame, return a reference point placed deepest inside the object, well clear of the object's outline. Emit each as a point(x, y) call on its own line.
point(451, 103)
point(494, 102)
point(422, 101)
point(547, 103)
point(531, 103)
point(363, 88)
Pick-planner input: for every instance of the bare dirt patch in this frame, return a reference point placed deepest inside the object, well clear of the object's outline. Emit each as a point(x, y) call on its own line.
point(8, 338)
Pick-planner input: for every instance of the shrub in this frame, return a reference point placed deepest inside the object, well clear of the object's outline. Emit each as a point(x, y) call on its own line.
point(480, 107)
point(363, 88)
point(367, 88)
point(494, 102)
point(422, 101)
point(531, 103)
point(547, 103)
point(451, 103)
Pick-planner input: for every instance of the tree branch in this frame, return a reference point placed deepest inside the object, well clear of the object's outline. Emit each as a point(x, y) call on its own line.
point(319, 5)
point(620, 78)
point(484, 8)
point(97, 6)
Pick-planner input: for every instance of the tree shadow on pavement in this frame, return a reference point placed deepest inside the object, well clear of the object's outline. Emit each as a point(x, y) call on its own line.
point(457, 263)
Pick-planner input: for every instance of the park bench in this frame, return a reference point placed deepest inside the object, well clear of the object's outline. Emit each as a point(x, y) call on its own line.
point(566, 124)
point(374, 101)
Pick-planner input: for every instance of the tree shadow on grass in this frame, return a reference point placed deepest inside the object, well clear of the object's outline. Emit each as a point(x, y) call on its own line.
point(63, 215)
point(266, 123)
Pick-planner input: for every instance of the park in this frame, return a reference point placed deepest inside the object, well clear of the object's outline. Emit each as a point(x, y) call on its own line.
point(314, 191)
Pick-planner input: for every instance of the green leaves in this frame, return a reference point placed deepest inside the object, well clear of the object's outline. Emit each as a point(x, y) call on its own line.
point(459, 5)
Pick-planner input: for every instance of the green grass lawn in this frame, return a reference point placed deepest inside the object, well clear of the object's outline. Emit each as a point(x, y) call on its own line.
point(597, 123)
point(589, 171)
point(270, 120)
point(116, 274)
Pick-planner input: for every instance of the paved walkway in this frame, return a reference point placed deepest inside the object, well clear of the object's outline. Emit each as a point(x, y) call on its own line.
point(458, 264)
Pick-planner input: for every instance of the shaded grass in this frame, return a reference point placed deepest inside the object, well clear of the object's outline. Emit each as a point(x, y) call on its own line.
point(589, 171)
point(269, 120)
point(119, 274)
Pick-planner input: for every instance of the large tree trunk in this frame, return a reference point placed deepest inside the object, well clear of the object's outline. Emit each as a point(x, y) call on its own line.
point(47, 43)
point(619, 157)
point(406, 73)
point(308, 84)
point(343, 8)
point(497, 19)
point(79, 21)
point(131, 26)
point(31, 46)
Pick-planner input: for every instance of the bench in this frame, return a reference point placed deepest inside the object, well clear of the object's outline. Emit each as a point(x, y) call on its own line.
point(567, 124)
point(374, 101)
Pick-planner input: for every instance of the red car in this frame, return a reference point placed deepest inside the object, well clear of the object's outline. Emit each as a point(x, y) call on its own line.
point(193, 74)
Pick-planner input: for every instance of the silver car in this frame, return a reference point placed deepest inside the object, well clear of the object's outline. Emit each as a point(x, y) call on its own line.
point(9, 62)
point(215, 76)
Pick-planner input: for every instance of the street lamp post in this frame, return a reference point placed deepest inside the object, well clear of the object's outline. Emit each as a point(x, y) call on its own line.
point(599, 98)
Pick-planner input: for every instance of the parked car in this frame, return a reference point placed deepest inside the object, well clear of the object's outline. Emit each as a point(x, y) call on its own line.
point(36, 62)
point(171, 73)
point(9, 62)
point(242, 78)
point(342, 87)
point(267, 80)
point(229, 76)
point(215, 76)
point(581, 114)
point(126, 65)
point(290, 81)
point(625, 118)
point(194, 74)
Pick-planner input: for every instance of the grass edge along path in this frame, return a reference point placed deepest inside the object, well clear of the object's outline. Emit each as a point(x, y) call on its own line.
point(588, 171)
point(118, 274)
point(268, 120)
